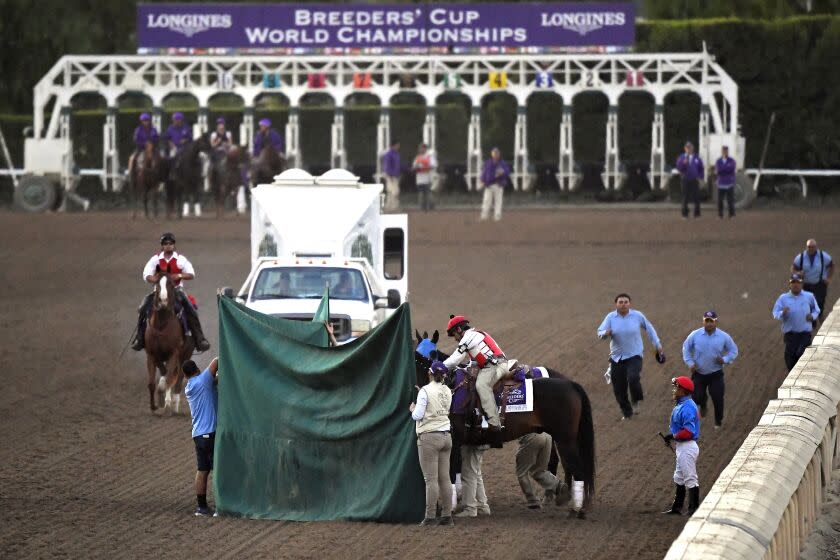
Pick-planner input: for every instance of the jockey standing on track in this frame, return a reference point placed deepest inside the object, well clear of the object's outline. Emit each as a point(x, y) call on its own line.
point(684, 430)
point(268, 136)
point(492, 364)
point(168, 261)
point(143, 134)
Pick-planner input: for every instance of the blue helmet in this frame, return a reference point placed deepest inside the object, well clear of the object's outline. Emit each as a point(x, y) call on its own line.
point(438, 368)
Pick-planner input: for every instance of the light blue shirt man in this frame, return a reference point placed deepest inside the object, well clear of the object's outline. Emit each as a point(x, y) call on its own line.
point(796, 308)
point(203, 398)
point(624, 329)
point(815, 264)
point(708, 348)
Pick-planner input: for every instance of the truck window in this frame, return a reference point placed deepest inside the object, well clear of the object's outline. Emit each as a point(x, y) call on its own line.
point(394, 253)
point(308, 282)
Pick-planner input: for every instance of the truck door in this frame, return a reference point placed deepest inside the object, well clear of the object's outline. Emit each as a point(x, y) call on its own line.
point(394, 264)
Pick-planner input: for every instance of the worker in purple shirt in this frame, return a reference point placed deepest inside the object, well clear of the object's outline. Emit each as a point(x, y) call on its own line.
point(143, 134)
point(178, 134)
point(391, 171)
point(494, 178)
point(725, 174)
point(691, 169)
point(267, 136)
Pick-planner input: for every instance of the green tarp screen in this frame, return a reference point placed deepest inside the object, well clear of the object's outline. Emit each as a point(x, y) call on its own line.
point(306, 432)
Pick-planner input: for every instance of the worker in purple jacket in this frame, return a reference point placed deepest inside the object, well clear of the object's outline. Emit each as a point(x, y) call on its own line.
point(725, 173)
point(391, 171)
point(691, 169)
point(178, 134)
point(143, 134)
point(267, 136)
point(494, 178)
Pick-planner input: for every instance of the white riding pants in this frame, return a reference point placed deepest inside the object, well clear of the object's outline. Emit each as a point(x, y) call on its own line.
point(686, 472)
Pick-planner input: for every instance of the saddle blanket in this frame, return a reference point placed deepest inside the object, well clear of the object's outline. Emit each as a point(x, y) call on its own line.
point(520, 397)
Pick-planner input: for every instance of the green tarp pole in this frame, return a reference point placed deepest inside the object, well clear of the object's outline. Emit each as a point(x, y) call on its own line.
point(306, 432)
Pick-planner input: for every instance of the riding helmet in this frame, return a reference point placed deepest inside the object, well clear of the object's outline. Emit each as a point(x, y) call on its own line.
point(455, 321)
point(145, 117)
point(167, 237)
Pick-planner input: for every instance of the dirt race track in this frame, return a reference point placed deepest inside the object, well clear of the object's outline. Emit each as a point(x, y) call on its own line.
point(87, 471)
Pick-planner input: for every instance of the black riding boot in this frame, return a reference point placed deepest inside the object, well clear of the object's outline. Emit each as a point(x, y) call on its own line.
point(693, 499)
point(495, 437)
point(139, 341)
point(201, 343)
point(679, 500)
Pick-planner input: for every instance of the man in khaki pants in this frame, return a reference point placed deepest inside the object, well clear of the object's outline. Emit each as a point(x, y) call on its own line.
point(494, 178)
point(391, 169)
point(492, 364)
point(532, 462)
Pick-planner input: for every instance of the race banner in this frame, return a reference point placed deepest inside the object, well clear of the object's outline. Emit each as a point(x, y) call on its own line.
point(431, 27)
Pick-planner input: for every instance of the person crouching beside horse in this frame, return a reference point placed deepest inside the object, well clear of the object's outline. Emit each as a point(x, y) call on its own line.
point(532, 462)
point(179, 268)
point(434, 444)
point(202, 395)
point(492, 364)
point(685, 429)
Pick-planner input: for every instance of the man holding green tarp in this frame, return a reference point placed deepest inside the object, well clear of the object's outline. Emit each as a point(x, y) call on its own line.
point(308, 432)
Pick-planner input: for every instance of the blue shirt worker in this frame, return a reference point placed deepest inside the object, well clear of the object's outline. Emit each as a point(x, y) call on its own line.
point(796, 309)
point(391, 171)
point(684, 430)
point(178, 134)
point(691, 170)
point(816, 268)
point(495, 176)
point(202, 395)
point(705, 352)
point(624, 329)
point(725, 175)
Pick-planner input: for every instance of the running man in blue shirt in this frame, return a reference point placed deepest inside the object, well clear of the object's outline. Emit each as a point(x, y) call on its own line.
point(705, 351)
point(816, 268)
point(203, 398)
point(624, 329)
point(796, 309)
point(684, 430)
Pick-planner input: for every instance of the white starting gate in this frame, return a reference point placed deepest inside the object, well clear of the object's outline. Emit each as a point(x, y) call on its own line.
point(49, 152)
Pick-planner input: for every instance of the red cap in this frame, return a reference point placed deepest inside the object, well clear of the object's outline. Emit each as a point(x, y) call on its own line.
point(454, 321)
point(684, 382)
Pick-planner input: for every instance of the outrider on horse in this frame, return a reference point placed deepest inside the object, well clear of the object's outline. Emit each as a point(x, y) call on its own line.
point(561, 408)
point(177, 268)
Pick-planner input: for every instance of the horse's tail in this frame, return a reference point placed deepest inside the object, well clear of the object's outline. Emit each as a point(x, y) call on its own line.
point(586, 441)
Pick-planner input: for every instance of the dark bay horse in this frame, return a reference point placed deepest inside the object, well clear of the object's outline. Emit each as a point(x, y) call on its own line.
point(561, 409)
point(145, 177)
point(226, 175)
point(186, 177)
point(167, 347)
point(266, 165)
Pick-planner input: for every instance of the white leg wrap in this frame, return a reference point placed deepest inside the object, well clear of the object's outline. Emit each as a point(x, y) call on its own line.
point(162, 384)
point(186, 211)
point(197, 209)
point(176, 403)
point(241, 206)
point(577, 495)
point(454, 497)
point(167, 402)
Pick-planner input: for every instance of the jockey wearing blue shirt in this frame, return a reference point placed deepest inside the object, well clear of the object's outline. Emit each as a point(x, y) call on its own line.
point(705, 351)
point(796, 309)
point(267, 136)
point(623, 327)
point(684, 430)
point(691, 169)
point(202, 396)
point(816, 268)
point(178, 134)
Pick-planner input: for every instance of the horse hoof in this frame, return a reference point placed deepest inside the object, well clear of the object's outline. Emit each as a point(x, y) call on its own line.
point(153, 408)
point(581, 514)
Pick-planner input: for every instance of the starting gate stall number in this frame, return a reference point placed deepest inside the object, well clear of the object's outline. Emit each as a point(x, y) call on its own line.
point(451, 81)
point(498, 80)
point(182, 81)
point(361, 80)
point(589, 79)
point(544, 80)
point(225, 80)
point(634, 79)
point(316, 81)
point(271, 81)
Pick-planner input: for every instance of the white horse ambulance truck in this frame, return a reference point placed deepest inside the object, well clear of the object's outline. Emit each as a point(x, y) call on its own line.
point(308, 233)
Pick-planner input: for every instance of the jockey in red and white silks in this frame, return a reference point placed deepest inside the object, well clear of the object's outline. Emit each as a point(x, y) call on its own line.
point(491, 360)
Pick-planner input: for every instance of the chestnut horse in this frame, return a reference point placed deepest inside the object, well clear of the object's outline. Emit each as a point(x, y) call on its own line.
point(145, 177)
point(266, 165)
point(167, 347)
point(561, 409)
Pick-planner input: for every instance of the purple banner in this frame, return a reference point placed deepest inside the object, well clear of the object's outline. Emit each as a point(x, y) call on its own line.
point(245, 27)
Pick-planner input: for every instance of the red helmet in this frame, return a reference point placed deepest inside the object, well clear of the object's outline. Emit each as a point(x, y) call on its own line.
point(684, 382)
point(454, 321)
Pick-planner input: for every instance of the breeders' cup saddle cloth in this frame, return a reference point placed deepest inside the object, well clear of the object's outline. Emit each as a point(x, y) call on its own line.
point(520, 397)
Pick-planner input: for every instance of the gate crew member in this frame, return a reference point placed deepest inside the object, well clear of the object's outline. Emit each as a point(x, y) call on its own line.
point(725, 178)
point(143, 134)
point(492, 364)
point(691, 169)
point(684, 430)
point(816, 267)
point(267, 136)
point(179, 268)
point(705, 351)
point(391, 171)
point(796, 309)
point(532, 462)
point(623, 328)
point(495, 177)
point(202, 395)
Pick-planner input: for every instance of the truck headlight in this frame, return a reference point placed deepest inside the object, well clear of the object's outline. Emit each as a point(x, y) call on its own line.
point(358, 327)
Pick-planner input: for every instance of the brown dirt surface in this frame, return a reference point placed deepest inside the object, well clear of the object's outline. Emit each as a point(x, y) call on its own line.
point(87, 471)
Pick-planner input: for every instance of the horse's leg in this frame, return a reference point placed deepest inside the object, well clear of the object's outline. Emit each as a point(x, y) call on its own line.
point(150, 368)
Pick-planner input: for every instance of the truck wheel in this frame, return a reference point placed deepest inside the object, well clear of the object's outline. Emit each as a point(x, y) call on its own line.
point(744, 194)
point(36, 194)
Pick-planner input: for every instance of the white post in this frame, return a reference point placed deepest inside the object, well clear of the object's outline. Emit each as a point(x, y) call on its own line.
point(246, 129)
point(293, 156)
point(67, 156)
point(474, 148)
point(520, 150)
point(611, 160)
point(110, 152)
point(657, 149)
point(339, 154)
point(157, 121)
point(201, 122)
point(566, 167)
point(703, 135)
point(383, 140)
point(430, 129)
